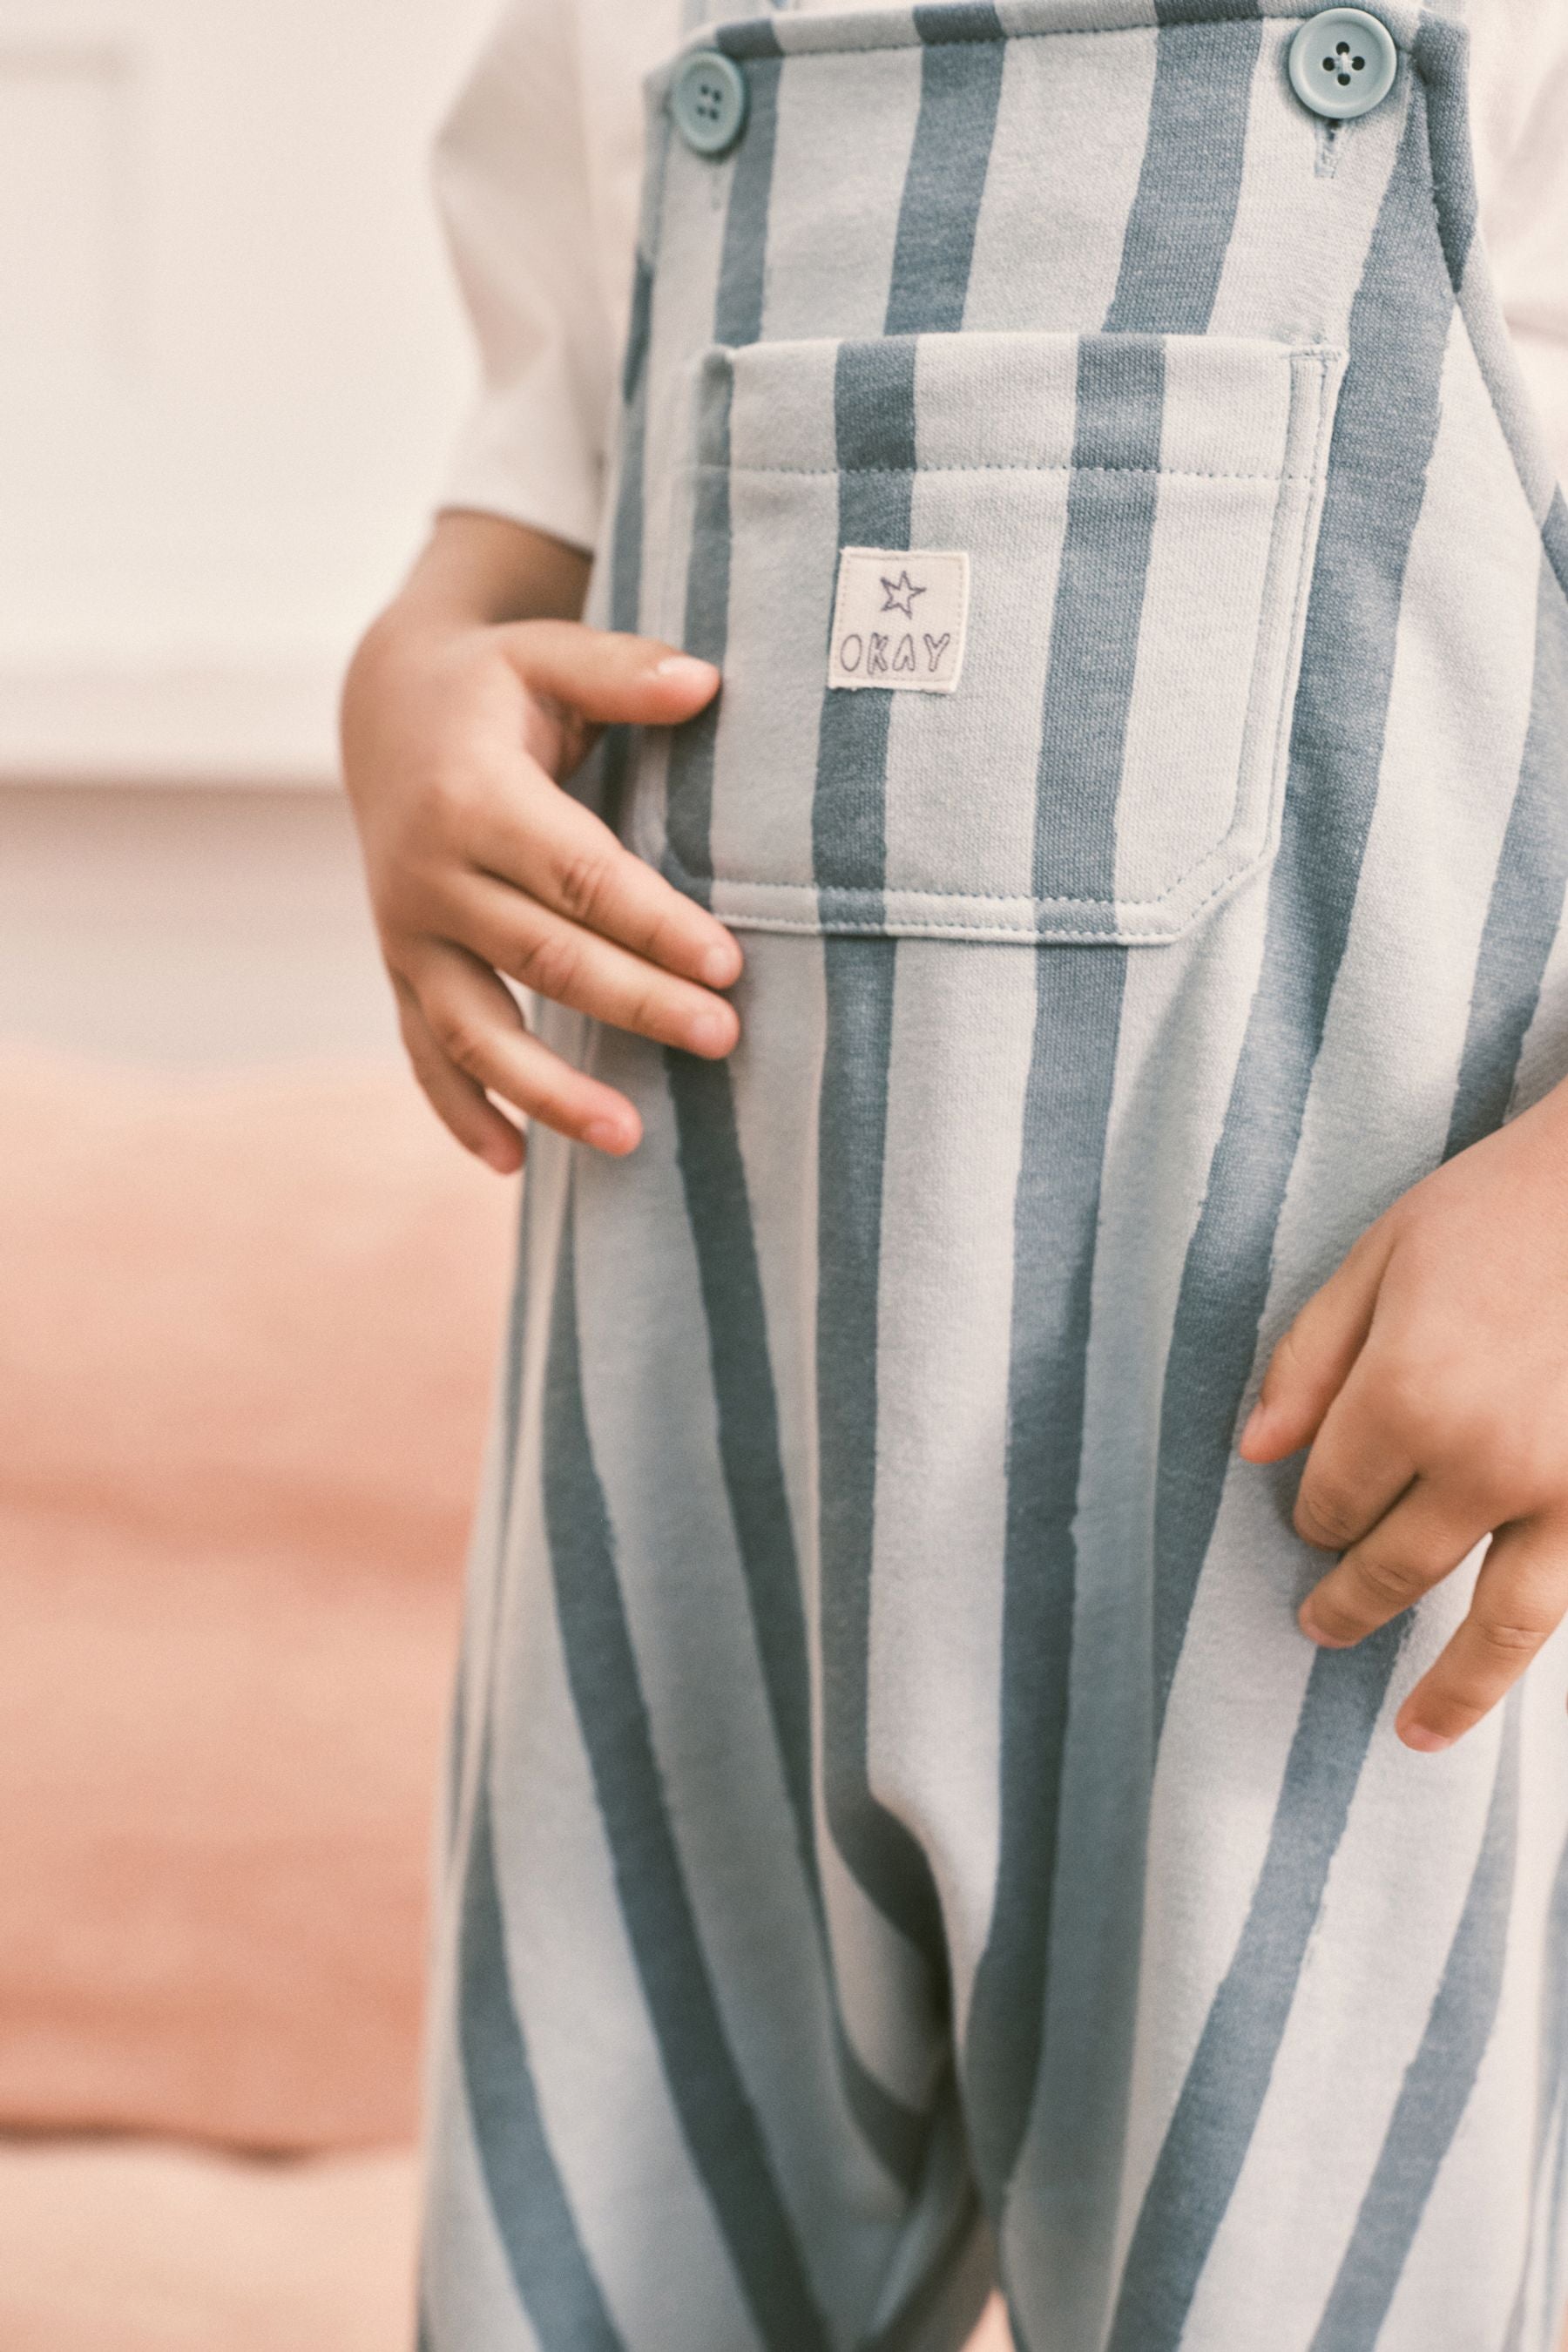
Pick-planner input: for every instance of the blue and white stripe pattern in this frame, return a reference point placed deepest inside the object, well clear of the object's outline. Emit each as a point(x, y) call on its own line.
point(898, 1835)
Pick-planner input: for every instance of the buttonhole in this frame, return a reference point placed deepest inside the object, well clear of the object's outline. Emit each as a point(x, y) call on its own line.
point(1330, 139)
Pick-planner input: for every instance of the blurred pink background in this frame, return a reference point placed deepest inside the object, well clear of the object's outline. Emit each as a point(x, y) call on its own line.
point(249, 1293)
point(242, 1386)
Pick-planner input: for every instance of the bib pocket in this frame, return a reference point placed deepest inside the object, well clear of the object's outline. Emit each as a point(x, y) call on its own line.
point(1010, 627)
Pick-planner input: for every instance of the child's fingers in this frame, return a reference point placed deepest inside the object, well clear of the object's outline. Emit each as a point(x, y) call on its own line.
point(1312, 1360)
point(608, 677)
point(1520, 1599)
point(458, 1102)
point(577, 967)
point(1420, 1540)
point(477, 1028)
point(1360, 1464)
point(561, 854)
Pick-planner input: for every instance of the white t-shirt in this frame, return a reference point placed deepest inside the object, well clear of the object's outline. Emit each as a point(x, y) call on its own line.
point(538, 171)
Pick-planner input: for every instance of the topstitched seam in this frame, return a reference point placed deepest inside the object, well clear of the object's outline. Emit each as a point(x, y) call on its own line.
point(707, 36)
point(1004, 466)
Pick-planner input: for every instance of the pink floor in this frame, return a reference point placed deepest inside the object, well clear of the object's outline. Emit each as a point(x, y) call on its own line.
point(245, 1364)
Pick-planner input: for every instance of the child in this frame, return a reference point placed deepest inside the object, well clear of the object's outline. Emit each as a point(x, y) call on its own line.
point(925, 1808)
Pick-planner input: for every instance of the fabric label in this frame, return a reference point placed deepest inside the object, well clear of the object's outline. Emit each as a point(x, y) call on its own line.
point(899, 619)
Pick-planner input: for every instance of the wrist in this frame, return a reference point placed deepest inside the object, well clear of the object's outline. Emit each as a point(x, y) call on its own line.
point(475, 572)
point(398, 646)
point(407, 628)
point(482, 570)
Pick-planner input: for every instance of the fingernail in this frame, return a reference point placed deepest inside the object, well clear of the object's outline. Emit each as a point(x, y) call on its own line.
point(685, 669)
point(1254, 1422)
point(708, 1032)
point(720, 966)
point(1314, 1631)
point(608, 1134)
point(1429, 1743)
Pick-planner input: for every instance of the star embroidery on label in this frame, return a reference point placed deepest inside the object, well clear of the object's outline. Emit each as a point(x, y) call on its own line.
point(902, 594)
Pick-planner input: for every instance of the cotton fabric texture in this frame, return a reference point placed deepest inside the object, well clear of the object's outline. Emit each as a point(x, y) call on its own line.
point(898, 1834)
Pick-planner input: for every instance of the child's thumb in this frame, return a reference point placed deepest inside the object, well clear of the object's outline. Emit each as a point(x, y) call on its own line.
point(607, 676)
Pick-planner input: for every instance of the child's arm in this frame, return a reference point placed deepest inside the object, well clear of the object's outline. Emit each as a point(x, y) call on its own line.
point(1430, 1378)
point(468, 700)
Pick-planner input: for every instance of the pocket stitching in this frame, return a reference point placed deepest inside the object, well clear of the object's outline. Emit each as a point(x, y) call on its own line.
point(1315, 359)
point(930, 927)
point(1147, 473)
point(1305, 568)
point(899, 37)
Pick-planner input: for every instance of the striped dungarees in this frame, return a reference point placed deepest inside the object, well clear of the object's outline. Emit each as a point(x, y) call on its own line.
point(899, 1837)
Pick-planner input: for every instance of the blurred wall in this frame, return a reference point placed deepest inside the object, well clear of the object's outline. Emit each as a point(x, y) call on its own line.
point(187, 927)
point(223, 422)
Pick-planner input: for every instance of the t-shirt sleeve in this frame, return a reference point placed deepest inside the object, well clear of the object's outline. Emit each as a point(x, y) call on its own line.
point(1520, 107)
point(510, 172)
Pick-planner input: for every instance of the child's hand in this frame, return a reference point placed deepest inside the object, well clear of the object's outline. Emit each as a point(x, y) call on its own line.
point(1430, 1376)
point(455, 734)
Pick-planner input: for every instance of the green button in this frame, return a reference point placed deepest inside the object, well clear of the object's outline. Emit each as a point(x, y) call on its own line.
point(709, 103)
point(1343, 63)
